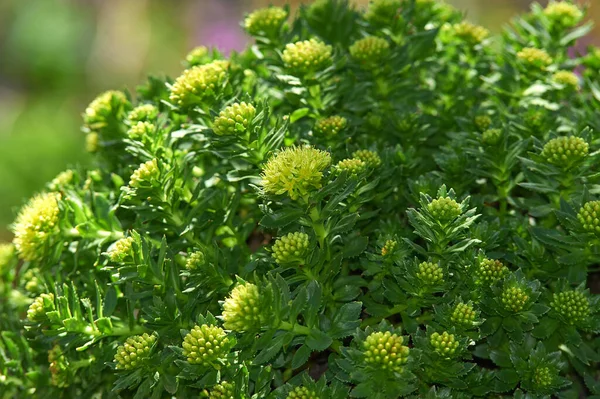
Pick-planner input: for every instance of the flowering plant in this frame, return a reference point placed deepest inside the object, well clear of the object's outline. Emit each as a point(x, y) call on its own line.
point(374, 203)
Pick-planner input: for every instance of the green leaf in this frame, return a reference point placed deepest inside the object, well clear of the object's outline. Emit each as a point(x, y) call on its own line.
point(318, 340)
point(299, 114)
point(301, 356)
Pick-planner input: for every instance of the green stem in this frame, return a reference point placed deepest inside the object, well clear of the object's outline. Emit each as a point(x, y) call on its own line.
point(296, 328)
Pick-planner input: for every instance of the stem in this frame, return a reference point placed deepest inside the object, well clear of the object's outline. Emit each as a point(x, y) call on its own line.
point(392, 311)
point(318, 226)
point(297, 328)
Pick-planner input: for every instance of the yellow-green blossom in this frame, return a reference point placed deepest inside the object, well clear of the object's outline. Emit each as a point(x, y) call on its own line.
point(307, 56)
point(199, 84)
point(265, 21)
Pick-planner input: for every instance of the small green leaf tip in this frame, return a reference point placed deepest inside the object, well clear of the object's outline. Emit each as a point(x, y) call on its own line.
point(234, 119)
point(307, 56)
point(565, 151)
point(205, 345)
point(291, 248)
point(444, 344)
point(384, 350)
point(244, 310)
point(295, 171)
point(573, 306)
point(134, 352)
point(430, 273)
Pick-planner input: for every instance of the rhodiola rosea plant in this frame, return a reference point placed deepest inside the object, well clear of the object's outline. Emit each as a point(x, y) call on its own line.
point(375, 203)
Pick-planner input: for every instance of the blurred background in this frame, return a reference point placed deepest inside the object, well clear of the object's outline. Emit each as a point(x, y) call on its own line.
point(56, 55)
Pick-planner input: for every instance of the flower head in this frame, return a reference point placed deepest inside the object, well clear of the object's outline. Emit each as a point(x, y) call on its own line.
point(62, 180)
point(490, 270)
point(223, 390)
point(307, 56)
point(134, 352)
point(444, 344)
point(371, 158)
point(141, 129)
point(302, 392)
point(291, 248)
point(195, 260)
point(589, 216)
point(36, 225)
point(145, 175)
point(143, 113)
point(382, 12)
point(565, 151)
point(563, 13)
point(198, 56)
point(483, 122)
point(370, 50)
point(384, 350)
point(353, 166)
point(199, 84)
point(108, 105)
point(430, 273)
point(267, 21)
point(38, 308)
point(491, 137)
point(534, 58)
point(295, 171)
point(573, 306)
point(514, 298)
point(389, 247)
point(566, 78)
point(234, 119)
point(330, 126)
point(244, 309)
point(463, 315)
point(205, 345)
point(121, 249)
point(444, 209)
point(470, 33)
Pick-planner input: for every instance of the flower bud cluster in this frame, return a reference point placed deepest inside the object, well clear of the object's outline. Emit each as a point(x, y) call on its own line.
point(444, 209)
point(121, 249)
point(563, 13)
point(140, 129)
point(490, 270)
point(385, 350)
point(134, 351)
point(302, 392)
point(565, 151)
point(195, 260)
point(566, 78)
point(234, 119)
point(514, 298)
point(266, 21)
point(143, 113)
point(223, 390)
point(291, 247)
point(330, 126)
point(199, 84)
point(589, 216)
point(382, 12)
point(470, 33)
point(463, 315)
point(107, 105)
point(534, 58)
point(491, 137)
point(389, 247)
point(371, 158)
point(430, 273)
point(62, 180)
point(145, 175)
point(38, 308)
point(574, 306)
point(307, 56)
point(543, 376)
point(353, 166)
point(370, 50)
point(243, 310)
point(198, 56)
point(444, 344)
point(205, 344)
point(482, 122)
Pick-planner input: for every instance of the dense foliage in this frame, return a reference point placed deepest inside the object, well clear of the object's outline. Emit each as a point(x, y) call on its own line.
point(373, 204)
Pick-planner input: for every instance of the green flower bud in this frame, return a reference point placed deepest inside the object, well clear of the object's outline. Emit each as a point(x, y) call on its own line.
point(430, 273)
point(491, 137)
point(106, 106)
point(371, 158)
point(382, 12)
point(291, 248)
point(330, 126)
point(223, 390)
point(389, 247)
point(491, 270)
point(370, 50)
point(463, 315)
point(444, 344)
point(63, 179)
point(385, 350)
point(470, 33)
point(141, 129)
point(267, 21)
point(7, 254)
point(534, 58)
point(307, 56)
point(38, 308)
point(352, 166)
point(563, 13)
point(244, 310)
point(195, 261)
point(483, 122)
point(134, 352)
point(92, 142)
point(566, 78)
point(198, 56)
point(199, 84)
point(234, 119)
point(143, 113)
point(543, 377)
point(205, 345)
point(295, 171)
point(32, 282)
point(121, 250)
point(303, 393)
point(589, 216)
point(444, 209)
point(59, 367)
point(565, 151)
point(145, 175)
point(36, 225)
point(514, 298)
point(574, 306)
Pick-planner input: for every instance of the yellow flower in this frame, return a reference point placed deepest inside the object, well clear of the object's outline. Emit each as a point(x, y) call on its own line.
point(470, 33)
point(199, 84)
point(534, 57)
point(105, 106)
point(563, 13)
point(35, 226)
point(266, 20)
point(295, 171)
point(307, 56)
point(243, 310)
point(566, 78)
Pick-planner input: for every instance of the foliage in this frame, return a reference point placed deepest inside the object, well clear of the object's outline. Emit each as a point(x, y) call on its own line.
point(376, 204)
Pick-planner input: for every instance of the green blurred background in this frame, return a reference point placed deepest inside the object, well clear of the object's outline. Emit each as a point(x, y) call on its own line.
point(56, 55)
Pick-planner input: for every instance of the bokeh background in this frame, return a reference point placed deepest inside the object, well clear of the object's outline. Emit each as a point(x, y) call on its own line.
point(56, 55)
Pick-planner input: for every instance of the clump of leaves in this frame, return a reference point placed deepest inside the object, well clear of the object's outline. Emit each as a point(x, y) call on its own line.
point(374, 203)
